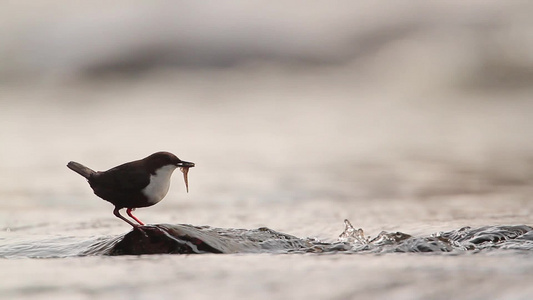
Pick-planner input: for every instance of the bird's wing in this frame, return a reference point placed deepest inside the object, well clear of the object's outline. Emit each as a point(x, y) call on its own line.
point(124, 178)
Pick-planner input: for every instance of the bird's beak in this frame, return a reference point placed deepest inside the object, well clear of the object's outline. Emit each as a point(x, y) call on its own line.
point(185, 164)
point(184, 167)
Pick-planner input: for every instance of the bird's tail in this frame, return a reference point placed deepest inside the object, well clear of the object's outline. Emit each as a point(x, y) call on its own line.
point(80, 169)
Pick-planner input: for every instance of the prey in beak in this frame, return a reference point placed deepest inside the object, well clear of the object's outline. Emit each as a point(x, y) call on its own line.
point(184, 168)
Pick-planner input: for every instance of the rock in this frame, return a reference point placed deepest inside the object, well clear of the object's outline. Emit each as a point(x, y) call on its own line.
point(188, 239)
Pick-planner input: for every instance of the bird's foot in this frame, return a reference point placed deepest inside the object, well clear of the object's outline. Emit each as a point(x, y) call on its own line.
point(128, 211)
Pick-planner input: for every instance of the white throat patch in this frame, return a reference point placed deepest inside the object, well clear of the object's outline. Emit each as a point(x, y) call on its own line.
point(159, 184)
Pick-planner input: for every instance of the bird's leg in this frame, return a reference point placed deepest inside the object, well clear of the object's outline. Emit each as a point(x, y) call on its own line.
point(128, 211)
point(118, 215)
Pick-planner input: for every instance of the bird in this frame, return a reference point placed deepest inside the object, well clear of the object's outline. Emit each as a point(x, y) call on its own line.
point(135, 184)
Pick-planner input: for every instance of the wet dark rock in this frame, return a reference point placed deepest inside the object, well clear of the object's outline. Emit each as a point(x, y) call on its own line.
point(160, 240)
point(188, 239)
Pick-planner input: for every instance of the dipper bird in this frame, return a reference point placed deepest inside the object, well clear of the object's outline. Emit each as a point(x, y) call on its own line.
point(139, 183)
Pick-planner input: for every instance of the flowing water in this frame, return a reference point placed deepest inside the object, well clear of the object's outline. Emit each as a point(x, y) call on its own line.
point(187, 239)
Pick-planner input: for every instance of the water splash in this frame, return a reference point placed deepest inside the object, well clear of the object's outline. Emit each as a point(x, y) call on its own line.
point(517, 237)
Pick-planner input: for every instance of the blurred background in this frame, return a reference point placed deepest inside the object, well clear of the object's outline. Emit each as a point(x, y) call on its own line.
point(275, 101)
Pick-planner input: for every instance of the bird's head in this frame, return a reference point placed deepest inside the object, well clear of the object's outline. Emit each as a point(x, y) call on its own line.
point(168, 162)
point(163, 159)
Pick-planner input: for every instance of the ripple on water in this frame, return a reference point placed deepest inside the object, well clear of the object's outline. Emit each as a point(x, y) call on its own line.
point(189, 239)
